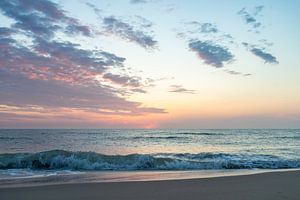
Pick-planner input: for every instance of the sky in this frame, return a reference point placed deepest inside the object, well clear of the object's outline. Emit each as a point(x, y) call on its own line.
point(149, 64)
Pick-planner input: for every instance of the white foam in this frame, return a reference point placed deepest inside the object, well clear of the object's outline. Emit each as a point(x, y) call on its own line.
point(66, 160)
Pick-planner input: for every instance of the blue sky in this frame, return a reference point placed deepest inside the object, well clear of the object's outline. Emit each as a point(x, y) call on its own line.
point(150, 64)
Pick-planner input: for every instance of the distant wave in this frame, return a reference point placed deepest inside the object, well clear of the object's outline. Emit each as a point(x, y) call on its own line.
point(289, 137)
point(59, 159)
point(199, 133)
point(159, 137)
point(14, 138)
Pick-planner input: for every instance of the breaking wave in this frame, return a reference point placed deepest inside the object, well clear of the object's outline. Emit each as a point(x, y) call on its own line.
point(60, 159)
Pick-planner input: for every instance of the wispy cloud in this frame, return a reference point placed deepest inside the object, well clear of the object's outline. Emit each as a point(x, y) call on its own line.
point(124, 80)
point(260, 50)
point(136, 30)
point(205, 27)
point(208, 30)
point(267, 57)
point(212, 54)
point(209, 42)
point(39, 117)
point(213, 46)
point(138, 1)
point(232, 72)
point(128, 32)
point(265, 42)
point(180, 89)
point(41, 18)
point(251, 17)
point(261, 53)
point(95, 8)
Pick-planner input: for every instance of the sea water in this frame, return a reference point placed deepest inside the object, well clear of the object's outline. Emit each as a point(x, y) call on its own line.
point(65, 155)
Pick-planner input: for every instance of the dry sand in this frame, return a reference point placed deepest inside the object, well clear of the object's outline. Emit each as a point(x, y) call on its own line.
point(273, 186)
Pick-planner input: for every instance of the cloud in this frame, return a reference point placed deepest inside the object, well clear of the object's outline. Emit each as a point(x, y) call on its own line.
point(123, 80)
point(61, 75)
point(180, 89)
point(20, 91)
point(258, 9)
point(95, 8)
point(138, 1)
point(261, 52)
point(205, 27)
point(128, 32)
point(257, 50)
point(37, 117)
point(232, 72)
point(4, 31)
point(251, 18)
point(209, 42)
point(265, 42)
point(212, 54)
point(41, 18)
point(138, 90)
point(195, 29)
point(267, 57)
point(53, 94)
point(141, 22)
point(136, 29)
point(49, 73)
point(170, 8)
point(59, 61)
point(208, 28)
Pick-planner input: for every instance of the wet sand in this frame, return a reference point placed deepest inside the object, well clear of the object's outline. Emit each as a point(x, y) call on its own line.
point(272, 185)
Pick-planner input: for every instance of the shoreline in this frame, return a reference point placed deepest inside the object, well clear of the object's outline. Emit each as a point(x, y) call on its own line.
point(268, 185)
point(84, 177)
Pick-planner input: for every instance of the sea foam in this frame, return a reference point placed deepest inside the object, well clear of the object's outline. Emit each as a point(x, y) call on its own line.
point(69, 160)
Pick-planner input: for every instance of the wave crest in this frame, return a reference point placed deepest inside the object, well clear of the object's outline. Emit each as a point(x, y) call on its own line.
point(60, 159)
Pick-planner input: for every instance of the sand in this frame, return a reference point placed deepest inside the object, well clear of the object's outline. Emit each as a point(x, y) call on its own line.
point(273, 186)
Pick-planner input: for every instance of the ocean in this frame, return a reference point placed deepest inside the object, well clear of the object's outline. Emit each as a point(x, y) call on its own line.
point(83, 155)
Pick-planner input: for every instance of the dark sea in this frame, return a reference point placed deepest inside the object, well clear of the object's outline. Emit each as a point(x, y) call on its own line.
point(41, 156)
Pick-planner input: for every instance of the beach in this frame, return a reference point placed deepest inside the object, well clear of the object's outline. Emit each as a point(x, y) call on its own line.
point(271, 185)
